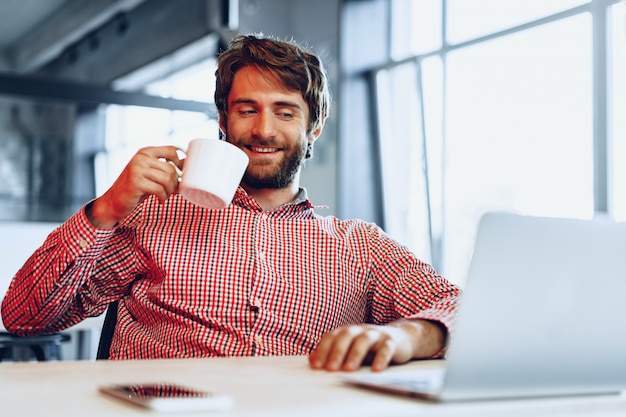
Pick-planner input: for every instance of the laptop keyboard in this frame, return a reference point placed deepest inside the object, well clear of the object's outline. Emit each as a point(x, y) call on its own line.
point(428, 381)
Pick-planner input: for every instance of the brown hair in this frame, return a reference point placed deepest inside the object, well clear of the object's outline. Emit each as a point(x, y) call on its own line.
point(294, 67)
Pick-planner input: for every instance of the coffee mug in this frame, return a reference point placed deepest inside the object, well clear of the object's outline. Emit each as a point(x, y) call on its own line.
point(212, 172)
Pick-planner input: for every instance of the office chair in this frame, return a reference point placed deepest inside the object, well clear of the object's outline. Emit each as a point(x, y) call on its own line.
point(43, 347)
point(108, 328)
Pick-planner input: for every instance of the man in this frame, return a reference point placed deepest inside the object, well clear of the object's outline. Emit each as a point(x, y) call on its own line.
point(264, 276)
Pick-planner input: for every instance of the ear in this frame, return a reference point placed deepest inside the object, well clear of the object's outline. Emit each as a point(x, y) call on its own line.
point(222, 126)
point(317, 132)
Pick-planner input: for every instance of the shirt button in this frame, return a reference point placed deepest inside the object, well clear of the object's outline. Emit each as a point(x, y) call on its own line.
point(258, 339)
point(256, 303)
point(83, 243)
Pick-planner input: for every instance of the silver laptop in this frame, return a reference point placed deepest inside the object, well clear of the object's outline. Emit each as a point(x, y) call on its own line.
point(542, 314)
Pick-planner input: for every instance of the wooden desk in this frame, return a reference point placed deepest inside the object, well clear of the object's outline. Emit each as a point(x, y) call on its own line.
point(262, 386)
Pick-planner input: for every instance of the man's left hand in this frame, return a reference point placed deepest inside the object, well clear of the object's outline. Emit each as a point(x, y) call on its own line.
point(347, 348)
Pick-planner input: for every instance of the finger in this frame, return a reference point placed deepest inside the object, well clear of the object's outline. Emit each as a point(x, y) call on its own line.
point(318, 357)
point(170, 154)
point(341, 343)
point(161, 180)
point(384, 352)
point(360, 348)
point(175, 157)
point(156, 169)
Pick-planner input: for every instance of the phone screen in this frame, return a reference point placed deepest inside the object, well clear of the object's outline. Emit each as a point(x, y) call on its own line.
point(169, 397)
point(162, 390)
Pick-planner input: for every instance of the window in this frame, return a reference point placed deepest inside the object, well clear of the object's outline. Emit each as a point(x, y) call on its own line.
point(406, 202)
point(468, 19)
point(518, 130)
point(507, 106)
point(129, 128)
point(617, 87)
point(416, 27)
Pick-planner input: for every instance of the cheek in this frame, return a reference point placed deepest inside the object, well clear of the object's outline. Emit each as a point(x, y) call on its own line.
point(295, 131)
point(237, 127)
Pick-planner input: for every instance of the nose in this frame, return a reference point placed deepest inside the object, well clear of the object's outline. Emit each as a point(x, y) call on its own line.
point(265, 125)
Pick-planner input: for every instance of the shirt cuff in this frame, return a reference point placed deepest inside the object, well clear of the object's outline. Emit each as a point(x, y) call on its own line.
point(81, 237)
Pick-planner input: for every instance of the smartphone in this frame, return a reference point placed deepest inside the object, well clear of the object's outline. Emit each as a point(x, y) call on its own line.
point(169, 397)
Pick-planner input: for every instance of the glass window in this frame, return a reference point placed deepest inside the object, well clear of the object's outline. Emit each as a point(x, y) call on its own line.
point(433, 93)
point(469, 19)
point(518, 131)
point(617, 87)
point(402, 156)
point(193, 83)
point(416, 28)
point(129, 128)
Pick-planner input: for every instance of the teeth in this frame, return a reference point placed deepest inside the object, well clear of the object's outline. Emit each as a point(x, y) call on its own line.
point(263, 150)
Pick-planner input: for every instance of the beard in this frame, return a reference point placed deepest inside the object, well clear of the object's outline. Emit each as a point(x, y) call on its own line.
point(278, 176)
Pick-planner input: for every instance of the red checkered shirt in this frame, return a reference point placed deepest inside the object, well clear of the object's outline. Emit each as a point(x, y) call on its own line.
point(194, 282)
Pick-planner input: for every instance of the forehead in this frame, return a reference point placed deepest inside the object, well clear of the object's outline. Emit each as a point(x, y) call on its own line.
point(254, 83)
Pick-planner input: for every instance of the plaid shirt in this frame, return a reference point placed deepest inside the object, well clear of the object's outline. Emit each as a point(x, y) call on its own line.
point(239, 281)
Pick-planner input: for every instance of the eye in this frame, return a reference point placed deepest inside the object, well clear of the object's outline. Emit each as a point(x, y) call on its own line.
point(287, 115)
point(246, 111)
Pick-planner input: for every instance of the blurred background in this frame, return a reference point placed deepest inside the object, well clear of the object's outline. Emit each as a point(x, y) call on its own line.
point(443, 109)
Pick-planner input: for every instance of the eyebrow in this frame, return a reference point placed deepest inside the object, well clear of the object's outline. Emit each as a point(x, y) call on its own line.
point(276, 103)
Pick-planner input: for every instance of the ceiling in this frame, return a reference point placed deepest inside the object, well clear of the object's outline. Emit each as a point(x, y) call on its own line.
point(105, 51)
point(33, 32)
point(101, 40)
point(19, 17)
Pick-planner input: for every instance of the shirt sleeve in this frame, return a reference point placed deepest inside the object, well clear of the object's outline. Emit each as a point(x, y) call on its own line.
point(403, 286)
point(69, 278)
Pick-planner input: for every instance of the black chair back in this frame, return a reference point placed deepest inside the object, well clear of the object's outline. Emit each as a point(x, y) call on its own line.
point(108, 328)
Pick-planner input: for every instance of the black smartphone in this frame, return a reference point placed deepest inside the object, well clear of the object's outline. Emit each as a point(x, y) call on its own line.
point(164, 396)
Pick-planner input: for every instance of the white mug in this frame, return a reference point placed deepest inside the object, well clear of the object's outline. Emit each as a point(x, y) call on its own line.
point(212, 172)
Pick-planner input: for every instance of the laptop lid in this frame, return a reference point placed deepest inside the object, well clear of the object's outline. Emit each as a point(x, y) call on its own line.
point(542, 311)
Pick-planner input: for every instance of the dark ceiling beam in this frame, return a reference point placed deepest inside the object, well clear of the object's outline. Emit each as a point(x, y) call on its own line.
point(66, 26)
point(64, 91)
point(132, 40)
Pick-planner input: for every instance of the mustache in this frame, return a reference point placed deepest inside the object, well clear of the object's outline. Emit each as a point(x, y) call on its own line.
point(272, 143)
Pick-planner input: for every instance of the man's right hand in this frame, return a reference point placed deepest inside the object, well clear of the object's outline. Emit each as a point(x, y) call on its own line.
point(152, 171)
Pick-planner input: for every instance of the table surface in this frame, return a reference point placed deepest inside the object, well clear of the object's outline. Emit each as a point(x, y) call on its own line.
point(261, 386)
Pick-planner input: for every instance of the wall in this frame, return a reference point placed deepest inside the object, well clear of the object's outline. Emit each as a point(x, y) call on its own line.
point(36, 142)
point(314, 24)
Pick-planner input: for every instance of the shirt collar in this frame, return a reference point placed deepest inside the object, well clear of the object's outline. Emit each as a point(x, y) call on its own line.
point(243, 199)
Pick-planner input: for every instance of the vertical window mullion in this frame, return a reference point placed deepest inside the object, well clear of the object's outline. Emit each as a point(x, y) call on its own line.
point(600, 108)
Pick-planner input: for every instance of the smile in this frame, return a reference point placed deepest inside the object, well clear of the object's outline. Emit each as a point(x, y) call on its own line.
point(263, 150)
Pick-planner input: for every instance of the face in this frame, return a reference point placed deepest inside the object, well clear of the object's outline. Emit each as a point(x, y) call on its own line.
point(269, 123)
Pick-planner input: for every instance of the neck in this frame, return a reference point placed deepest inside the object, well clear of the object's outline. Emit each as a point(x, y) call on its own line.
point(270, 198)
